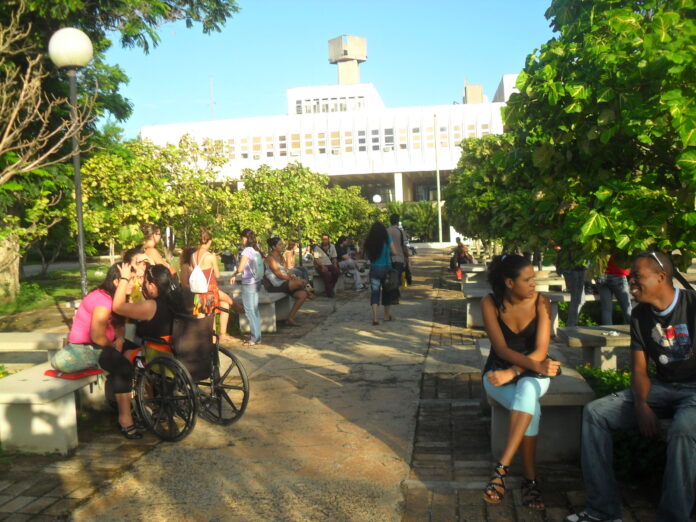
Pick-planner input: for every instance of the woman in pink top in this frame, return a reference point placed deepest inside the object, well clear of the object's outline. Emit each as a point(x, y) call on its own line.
point(95, 325)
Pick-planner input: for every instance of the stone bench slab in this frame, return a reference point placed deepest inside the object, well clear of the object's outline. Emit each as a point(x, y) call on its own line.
point(20, 341)
point(559, 433)
point(38, 413)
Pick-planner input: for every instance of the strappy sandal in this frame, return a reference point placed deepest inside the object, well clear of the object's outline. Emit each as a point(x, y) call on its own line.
point(130, 432)
point(531, 495)
point(496, 486)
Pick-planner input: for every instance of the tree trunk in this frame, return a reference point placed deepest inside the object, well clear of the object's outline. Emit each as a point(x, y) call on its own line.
point(112, 252)
point(9, 268)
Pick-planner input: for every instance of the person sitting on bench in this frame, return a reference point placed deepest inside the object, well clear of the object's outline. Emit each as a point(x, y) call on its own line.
point(663, 329)
point(518, 322)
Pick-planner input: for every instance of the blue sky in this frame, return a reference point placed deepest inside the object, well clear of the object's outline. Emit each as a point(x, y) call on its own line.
point(419, 53)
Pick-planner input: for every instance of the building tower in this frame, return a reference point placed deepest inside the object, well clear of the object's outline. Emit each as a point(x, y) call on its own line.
point(348, 52)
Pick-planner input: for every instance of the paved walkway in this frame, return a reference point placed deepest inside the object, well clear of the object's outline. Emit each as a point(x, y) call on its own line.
point(346, 422)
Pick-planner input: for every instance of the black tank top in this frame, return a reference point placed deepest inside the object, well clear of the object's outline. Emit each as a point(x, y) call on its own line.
point(160, 324)
point(523, 342)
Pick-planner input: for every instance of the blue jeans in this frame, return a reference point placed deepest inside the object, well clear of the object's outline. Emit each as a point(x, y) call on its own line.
point(616, 412)
point(377, 274)
point(523, 396)
point(250, 300)
point(618, 285)
point(575, 284)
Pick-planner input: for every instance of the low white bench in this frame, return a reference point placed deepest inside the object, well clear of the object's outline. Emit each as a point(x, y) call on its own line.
point(32, 341)
point(37, 413)
point(561, 413)
point(599, 344)
point(273, 307)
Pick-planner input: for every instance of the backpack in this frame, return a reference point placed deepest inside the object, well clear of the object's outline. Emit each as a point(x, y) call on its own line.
point(197, 281)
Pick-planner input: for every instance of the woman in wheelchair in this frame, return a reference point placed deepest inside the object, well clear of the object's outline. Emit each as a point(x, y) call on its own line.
point(163, 299)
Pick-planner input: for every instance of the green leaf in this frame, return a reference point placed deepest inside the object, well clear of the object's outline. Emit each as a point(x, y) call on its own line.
point(595, 224)
point(687, 161)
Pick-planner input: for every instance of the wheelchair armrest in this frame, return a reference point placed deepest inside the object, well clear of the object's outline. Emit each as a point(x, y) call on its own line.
point(158, 340)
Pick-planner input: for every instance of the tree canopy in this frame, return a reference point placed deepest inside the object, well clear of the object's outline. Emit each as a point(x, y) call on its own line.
point(600, 144)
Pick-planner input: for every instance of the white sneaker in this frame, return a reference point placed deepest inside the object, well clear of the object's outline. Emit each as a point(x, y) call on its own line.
point(583, 516)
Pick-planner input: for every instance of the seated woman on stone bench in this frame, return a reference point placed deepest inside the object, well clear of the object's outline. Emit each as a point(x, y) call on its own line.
point(280, 279)
point(518, 323)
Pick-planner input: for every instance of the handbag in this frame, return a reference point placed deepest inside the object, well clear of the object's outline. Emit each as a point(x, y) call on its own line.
point(197, 281)
point(73, 358)
point(391, 280)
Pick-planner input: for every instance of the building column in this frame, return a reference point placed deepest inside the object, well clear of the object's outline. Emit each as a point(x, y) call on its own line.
point(398, 186)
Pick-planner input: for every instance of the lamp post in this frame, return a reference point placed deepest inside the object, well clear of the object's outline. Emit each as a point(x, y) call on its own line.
point(71, 49)
point(376, 199)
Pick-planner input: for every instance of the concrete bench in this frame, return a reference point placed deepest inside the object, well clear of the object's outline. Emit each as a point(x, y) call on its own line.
point(557, 297)
point(273, 307)
point(32, 341)
point(599, 344)
point(37, 413)
point(561, 413)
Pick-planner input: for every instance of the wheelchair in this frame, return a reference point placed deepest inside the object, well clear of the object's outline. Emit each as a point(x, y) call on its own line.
point(192, 375)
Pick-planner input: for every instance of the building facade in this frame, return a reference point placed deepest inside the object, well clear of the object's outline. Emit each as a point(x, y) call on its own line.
point(346, 131)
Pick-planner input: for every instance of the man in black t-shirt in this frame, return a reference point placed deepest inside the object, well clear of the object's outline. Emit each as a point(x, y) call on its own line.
point(663, 329)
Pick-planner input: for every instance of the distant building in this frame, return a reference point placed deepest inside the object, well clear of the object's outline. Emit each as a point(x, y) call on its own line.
point(346, 131)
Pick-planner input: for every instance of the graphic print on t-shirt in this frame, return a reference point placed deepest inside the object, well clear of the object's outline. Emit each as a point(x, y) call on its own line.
point(674, 341)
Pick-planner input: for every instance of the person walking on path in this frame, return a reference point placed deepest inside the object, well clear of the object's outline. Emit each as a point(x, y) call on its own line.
point(379, 248)
point(400, 260)
point(663, 329)
point(251, 269)
point(517, 320)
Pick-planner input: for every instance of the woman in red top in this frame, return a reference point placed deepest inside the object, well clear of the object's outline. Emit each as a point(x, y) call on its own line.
point(614, 282)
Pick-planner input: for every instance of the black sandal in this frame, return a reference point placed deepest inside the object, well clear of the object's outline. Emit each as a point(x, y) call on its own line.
point(531, 495)
point(496, 486)
point(130, 432)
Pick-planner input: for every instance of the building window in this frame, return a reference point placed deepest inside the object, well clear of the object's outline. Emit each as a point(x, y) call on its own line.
point(308, 151)
point(402, 146)
point(269, 154)
point(375, 140)
point(362, 148)
point(375, 132)
point(282, 145)
point(295, 137)
point(298, 107)
point(443, 129)
point(361, 133)
point(389, 140)
point(283, 153)
point(335, 143)
point(322, 150)
point(257, 147)
point(269, 139)
point(375, 147)
point(348, 134)
point(348, 141)
point(295, 144)
point(335, 134)
point(424, 192)
point(415, 130)
point(349, 149)
point(361, 140)
point(245, 155)
point(321, 135)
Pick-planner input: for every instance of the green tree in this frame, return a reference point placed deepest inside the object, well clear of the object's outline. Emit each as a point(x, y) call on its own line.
point(600, 145)
point(37, 133)
point(607, 111)
point(421, 220)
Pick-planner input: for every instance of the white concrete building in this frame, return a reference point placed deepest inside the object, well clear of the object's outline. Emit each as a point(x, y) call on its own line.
point(346, 131)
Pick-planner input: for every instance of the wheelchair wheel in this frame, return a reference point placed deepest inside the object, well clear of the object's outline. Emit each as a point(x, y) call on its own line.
point(166, 399)
point(224, 397)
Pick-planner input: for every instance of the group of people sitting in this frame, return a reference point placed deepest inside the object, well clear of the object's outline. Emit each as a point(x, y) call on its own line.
point(517, 374)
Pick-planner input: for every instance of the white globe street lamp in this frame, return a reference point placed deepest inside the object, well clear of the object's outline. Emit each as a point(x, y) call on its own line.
point(71, 49)
point(376, 199)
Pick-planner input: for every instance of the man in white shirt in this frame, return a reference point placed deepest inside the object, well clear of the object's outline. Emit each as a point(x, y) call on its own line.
point(326, 264)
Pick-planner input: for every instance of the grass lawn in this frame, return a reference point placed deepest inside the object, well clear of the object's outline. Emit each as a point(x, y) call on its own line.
point(54, 287)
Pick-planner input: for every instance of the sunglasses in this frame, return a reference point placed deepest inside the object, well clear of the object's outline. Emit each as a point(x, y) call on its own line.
point(654, 256)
